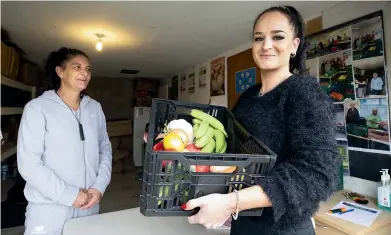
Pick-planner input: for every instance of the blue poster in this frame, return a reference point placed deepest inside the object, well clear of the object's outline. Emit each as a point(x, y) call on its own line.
point(245, 79)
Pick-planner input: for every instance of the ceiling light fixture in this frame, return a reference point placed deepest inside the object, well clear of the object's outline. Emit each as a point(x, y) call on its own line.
point(99, 44)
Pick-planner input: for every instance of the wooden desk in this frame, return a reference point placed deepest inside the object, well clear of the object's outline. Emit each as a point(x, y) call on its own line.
point(385, 230)
point(335, 226)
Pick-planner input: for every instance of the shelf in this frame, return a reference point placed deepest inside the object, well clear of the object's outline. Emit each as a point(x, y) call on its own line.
point(331, 76)
point(365, 46)
point(15, 84)
point(11, 110)
point(332, 54)
point(8, 151)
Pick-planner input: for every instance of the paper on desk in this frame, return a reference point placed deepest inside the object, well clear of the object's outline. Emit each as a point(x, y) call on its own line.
point(361, 215)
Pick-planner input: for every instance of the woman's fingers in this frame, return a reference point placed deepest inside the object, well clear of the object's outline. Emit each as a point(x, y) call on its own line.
point(91, 202)
point(214, 210)
point(197, 219)
point(194, 203)
point(194, 219)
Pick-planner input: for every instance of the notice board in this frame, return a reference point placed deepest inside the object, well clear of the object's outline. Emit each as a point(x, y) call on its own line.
point(242, 62)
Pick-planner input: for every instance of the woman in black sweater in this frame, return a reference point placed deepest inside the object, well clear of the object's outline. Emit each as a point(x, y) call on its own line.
point(291, 114)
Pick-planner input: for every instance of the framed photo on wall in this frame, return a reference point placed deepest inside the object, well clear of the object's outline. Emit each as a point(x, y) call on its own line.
point(217, 77)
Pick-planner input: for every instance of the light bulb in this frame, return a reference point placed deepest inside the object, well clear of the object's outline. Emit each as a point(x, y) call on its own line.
point(99, 46)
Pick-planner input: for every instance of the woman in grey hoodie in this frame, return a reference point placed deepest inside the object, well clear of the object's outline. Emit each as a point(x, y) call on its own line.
point(63, 149)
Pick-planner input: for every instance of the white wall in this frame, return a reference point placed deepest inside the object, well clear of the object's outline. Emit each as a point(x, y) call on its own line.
point(202, 95)
point(338, 14)
point(116, 96)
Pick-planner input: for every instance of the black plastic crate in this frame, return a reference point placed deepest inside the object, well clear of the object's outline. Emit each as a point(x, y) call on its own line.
point(167, 179)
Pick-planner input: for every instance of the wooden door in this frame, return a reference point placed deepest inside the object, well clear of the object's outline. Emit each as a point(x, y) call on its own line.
point(236, 63)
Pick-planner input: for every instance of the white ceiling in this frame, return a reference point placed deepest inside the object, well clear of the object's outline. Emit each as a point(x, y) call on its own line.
point(157, 38)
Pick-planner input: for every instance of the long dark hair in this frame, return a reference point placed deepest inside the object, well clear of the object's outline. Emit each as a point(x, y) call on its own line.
point(297, 22)
point(59, 58)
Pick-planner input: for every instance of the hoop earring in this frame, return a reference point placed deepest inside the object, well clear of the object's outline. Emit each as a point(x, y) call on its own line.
point(293, 55)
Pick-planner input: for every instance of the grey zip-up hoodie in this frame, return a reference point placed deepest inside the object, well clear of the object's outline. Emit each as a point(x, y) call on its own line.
point(51, 156)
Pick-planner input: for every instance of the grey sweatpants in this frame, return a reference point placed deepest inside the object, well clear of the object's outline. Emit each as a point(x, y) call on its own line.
point(49, 219)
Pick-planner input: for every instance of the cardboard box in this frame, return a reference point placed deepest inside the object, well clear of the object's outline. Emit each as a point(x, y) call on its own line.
point(119, 128)
point(146, 85)
point(10, 61)
point(15, 63)
point(5, 59)
point(29, 74)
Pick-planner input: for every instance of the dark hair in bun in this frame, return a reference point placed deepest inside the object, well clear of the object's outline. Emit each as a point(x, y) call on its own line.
point(297, 22)
point(59, 58)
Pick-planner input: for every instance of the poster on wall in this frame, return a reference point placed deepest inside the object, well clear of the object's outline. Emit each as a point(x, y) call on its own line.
point(245, 79)
point(341, 135)
point(312, 67)
point(335, 75)
point(183, 82)
point(174, 88)
point(191, 82)
point(350, 62)
point(339, 115)
point(368, 39)
point(368, 59)
point(217, 77)
point(202, 77)
point(367, 124)
point(344, 153)
point(370, 79)
point(329, 43)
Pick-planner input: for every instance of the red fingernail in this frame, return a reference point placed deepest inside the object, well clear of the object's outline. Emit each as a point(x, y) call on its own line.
point(183, 207)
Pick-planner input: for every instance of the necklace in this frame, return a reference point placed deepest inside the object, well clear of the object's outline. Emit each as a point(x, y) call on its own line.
point(81, 131)
point(261, 93)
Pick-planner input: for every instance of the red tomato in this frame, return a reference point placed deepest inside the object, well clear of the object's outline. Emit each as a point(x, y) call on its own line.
point(158, 147)
point(192, 148)
point(202, 168)
point(164, 163)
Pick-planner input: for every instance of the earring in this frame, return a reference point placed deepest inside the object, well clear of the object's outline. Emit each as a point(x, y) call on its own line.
point(293, 55)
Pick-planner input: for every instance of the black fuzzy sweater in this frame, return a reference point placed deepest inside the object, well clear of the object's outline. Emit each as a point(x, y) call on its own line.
point(294, 120)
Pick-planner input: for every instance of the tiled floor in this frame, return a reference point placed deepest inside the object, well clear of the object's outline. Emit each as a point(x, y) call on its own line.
point(122, 193)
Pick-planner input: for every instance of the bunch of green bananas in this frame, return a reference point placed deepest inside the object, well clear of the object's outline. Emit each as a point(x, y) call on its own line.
point(209, 132)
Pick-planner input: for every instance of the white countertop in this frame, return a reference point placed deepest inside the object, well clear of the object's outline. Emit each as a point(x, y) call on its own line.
point(131, 221)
